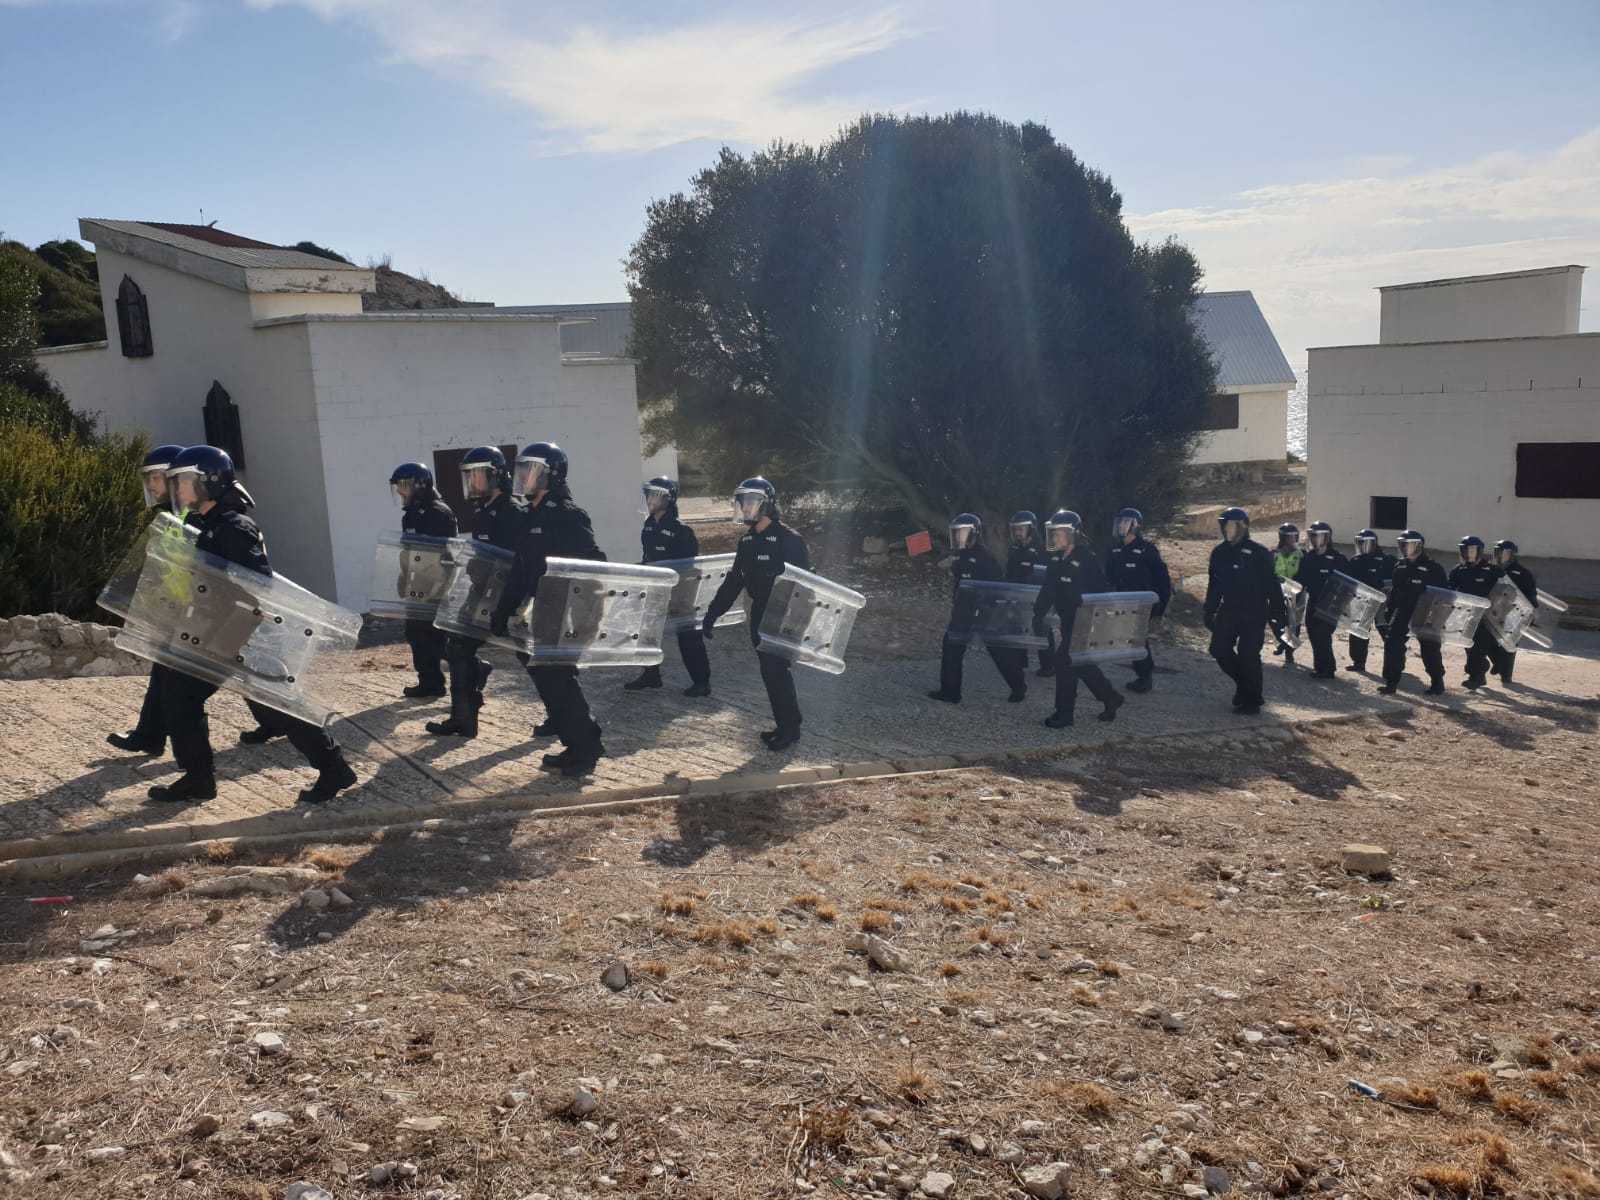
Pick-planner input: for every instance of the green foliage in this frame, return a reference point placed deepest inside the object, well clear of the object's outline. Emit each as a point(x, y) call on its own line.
point(319, 251)
point(945, 313)
point(67, 306)
point(69, 511)
point(26, 392)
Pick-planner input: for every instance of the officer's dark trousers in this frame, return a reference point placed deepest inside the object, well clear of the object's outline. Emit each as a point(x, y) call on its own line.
point(1047, 653)
point(1144, 668)
point(1320, 634)
point(1358, 650)
point(779, 680)
point(566, 707)
point(692, 649)
point(1503, 661)
point(1236, 645)
point(429, 646)
point(1480, 652)
point(183, 706)
point(152, 726)
point(1067, 676)
point(466, 672)
point(1394, 655)
point(1011, 662)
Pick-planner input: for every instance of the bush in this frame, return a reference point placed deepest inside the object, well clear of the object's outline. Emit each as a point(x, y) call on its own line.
point(69, 511)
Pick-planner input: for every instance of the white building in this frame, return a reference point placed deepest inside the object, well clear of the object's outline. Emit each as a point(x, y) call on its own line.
point(1478, 412)
point(1248, 418)
point(266, 352)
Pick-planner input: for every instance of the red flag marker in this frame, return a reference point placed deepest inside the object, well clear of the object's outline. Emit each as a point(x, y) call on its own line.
point(919, 543)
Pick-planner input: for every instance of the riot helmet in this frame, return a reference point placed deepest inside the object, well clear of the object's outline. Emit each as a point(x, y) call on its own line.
point(483, 472)
point(1410, 544)
point(200, 474)
point(410, 482)
point(1505, 552)
point(966, 531)
point(660, 494)
point(1288, 536)
point(540, 467)
point(153, 473)
point(1126, 523)
point(1062, 530)
point(1024, 524)
point(1320, 535)
point(753, 499)
point(1471, 549)
point(1367, 541)
point(1234, 524)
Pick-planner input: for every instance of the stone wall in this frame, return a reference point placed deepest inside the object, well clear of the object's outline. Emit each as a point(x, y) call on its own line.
point(52, 646)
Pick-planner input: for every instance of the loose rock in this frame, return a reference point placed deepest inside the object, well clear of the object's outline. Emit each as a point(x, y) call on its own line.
point(270, 1118)
point(1362, 858)
point(615, 976)
point(315, 898)
point(206, 1125)
point(886, 956)
point(583, 1102)
point(938, 1185)
point(307, 1191)
point(338, 899)
point(1047, 1182)
point(1217, 1181)
point(269, 1043)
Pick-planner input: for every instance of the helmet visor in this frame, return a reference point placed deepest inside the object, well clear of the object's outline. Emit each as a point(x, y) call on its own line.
point(1235, 531)
point(477, 481)
point(1409, 548)
point(963, 537)
point(1060, 537)
point(155, 485)
point(532, 477)
point(1366, 545)
point(1123, 526)
point(184, 490)
point(1321, 539)
point(1504, 556)
point(748, 505)
point(402, 490)
point(1022, 533)
point(656, 499)
point(1471, 555)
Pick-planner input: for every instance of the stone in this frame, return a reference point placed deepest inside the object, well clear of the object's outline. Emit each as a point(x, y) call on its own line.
point(424, 1124)
point(1011, 1154)
point(886, 956)
point(269, 1043)
point(1217, 1181)
point(1361, 858)
point(879, 1119)
point(307, 1191)
point(615, 976)
point(938, 1185)
point(583, 1102)
point(1125, 1074)
point(1179, 1120)
point(102, 1153)
point(1032, 1129)
point(1249, 1037)
point(265, 880)
point(1048, 1182)
point(205, 1125)
point(338, 899)
point(269, 1118)
point(874, 545)
point(315, 898)
point(1195, 1190)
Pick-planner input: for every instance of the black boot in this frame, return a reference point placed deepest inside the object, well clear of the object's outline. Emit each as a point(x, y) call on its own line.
point(936, 694)
point(134, 744)
point(782, 739)
point(259, 736)
point(650, 677)
point(697, 689)
point(1110, 712)
point(545, 728)
point(424, 691)
point(1142, 684)
point(1436, 688)
point(1059, 720)
point(186, 789)
point(331, 780)
point(1018, 694)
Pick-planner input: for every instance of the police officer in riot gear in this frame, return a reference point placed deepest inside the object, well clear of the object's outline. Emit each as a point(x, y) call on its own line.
point(1503, 662)
point(1316, 571)
point(1071, 573)
point(201, 482)
point(1414, 574)
point(1475, 575)
point(1285, 561)
point(665, 537)
point(149, 735)
point(767, 546)
point(1374, 568)
point(497, 518)
point(1242, 594)
point(1024, 555)
point(424, 514)
point(972, 560)
point(554, 527)
point(1133, 564)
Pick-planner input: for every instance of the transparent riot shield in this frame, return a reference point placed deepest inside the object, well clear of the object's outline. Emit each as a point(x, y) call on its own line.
point(117, 594)
point(1002, 614)
point(262, 636)
point(808, 620)
point(1295, 600)
point(1447, 617)
point(1111, 627)
point(475, 579)
point(698, 581)
point(408, 576)
point(1510, 617)
point(593, 614)
point(1350, 605)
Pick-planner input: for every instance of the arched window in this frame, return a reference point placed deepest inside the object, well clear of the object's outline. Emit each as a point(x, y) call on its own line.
point(222, 424)
point(133, 320)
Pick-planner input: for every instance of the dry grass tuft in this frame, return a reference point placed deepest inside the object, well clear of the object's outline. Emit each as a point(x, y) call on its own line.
point(977, 881)
point(706, 933)
point(1589, 1064)
point(738, 934)
point(676, 906)
point(1450, 1181)
point(1126, 904)
point(655, 968)
point(1539, 1050)
point(1577, 1182)
point(876, 921)
point(827, 911)
point(1087, 887)
point(1551, 1083)
point(334, 858)
point(1033, 902)
point(995, 937)
point(168, 882)
point(955, 904)
point(217, 851)
point(1092, 1100)
point(998, 902)
point(805, 900)
point(1517, 1108)
point(1474, 1085)
point(1493, 1150)
point(1085, 995)
point(1108, 967)
point(769, 926)
point(920, 881)
point(1415, 1095)
point(949, 970)
point(829, 1126)
point(914, 1085)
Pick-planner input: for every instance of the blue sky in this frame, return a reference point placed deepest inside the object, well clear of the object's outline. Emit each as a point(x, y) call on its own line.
point(1307, 151)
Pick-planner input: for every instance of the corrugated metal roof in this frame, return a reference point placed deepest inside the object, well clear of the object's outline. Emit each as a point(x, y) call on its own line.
point(604, 330)
point(1247, 353)
point(229, 248)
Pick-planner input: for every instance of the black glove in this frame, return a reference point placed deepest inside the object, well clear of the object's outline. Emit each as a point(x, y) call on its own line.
point(706, 627)
point(1038, 627)
point(1211, 622)
point(499, 624)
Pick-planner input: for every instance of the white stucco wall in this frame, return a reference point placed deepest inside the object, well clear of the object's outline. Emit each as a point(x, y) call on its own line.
point(1515, 305)
point(1263, 432)
point(1439, 423)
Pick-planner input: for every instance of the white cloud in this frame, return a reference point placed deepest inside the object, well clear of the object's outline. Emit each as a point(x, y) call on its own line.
point(1313, 252)
point(610, 88)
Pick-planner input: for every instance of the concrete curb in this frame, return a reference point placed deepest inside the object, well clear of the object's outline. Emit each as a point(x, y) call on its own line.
point(54, 858)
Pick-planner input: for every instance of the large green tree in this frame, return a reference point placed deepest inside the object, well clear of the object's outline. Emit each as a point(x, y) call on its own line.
point(942, 313)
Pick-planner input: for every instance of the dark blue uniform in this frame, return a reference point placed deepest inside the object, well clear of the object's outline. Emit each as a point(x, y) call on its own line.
point(1316, 571)
point(1136, 566)
point(1242, 594)
point(1503, 662)
point(1477, 579)
point(1412, 578)
point(1069, 576)
point(428, 516)
point(1021, 567)
point(664, 538)
point(975, 562)
point(759, 560)
point(1376, 570)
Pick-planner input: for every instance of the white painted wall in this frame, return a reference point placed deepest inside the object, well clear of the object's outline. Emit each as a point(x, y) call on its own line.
point(1439, 424)
point(1263, 432)
point(1514, 305)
